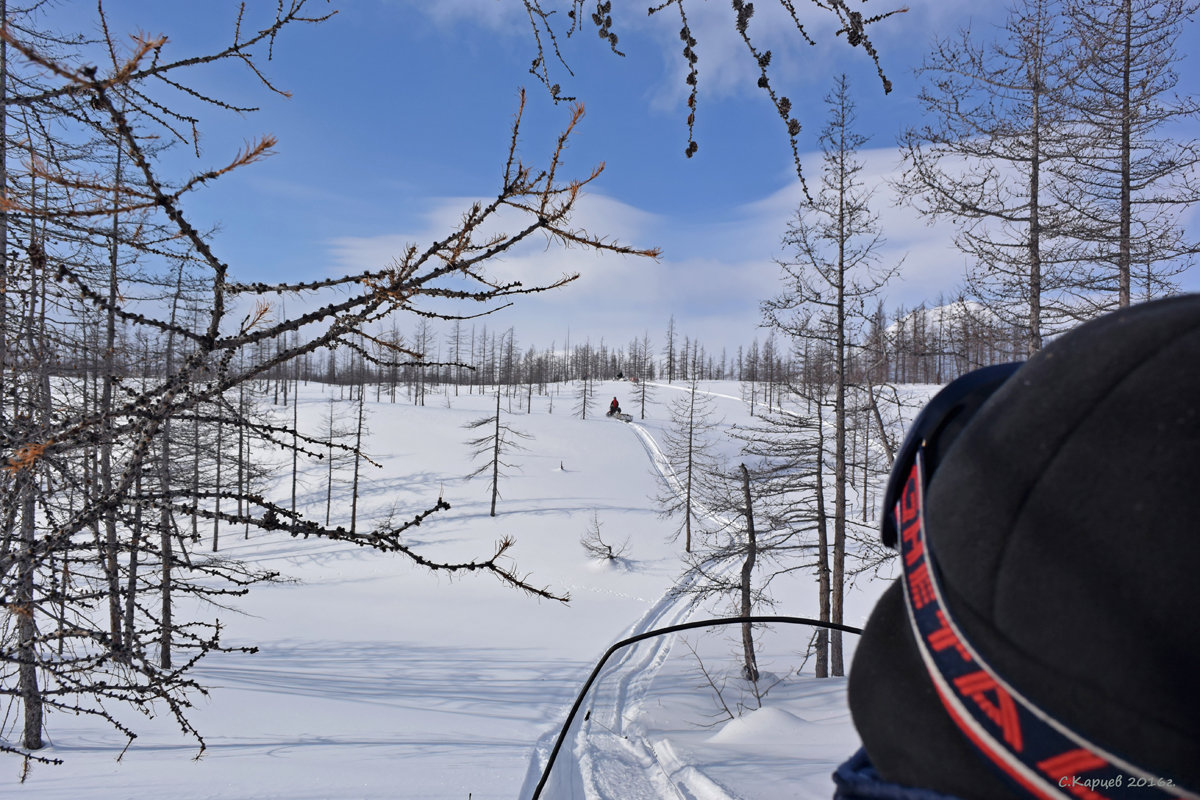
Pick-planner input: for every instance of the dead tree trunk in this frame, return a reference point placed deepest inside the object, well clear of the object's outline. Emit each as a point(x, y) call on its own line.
point(822, 554)
point(496, 457)
point(106, 401)
point(31, 695)
point(362, 388)
point(750, 664)
point(217, 485)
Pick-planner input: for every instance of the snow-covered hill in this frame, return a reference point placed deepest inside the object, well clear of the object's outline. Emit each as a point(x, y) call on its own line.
point(378, 679)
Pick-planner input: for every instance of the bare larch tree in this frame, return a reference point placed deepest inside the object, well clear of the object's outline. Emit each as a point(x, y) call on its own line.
point(1131, 180)
point(499, 441)
point(831, 281)
point(97, 248)
point(996, 125)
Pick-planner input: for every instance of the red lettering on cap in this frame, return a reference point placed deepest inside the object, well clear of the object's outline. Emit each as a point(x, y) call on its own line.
point(945, 637)
point(916, 548)
point(1071, 763)
point(1066, 768)
point(920, 586)
point(1001, 710)
point(910, 502)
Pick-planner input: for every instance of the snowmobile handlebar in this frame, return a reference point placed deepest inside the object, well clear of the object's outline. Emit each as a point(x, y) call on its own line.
point(683, 626)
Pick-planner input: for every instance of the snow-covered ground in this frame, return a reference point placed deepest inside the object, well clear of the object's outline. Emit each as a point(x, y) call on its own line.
point(378, 679)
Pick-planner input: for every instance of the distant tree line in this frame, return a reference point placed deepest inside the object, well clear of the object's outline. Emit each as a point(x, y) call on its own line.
point(924, 344)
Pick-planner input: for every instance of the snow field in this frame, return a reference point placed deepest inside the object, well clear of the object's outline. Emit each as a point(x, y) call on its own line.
point(376, 678)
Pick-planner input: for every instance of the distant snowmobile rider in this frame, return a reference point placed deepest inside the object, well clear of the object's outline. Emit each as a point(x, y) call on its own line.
point(614, 408)
point(1041, 640)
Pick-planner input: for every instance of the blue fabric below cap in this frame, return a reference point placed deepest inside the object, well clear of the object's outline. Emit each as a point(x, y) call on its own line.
point(857, 779)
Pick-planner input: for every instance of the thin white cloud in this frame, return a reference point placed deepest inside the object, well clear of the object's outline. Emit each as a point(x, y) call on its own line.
point(712, 277)
point(931, 263)
point(496, 15)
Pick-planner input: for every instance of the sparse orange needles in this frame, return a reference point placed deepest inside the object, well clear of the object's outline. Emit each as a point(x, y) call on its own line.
point(26, 456)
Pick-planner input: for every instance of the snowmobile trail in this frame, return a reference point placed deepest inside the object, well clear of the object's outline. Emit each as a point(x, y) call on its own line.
point(609, 754)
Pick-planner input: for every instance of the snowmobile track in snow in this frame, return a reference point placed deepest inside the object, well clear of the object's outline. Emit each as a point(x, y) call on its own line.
point(610, 747)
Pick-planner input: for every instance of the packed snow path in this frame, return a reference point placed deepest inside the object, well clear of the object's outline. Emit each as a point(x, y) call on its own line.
point(610, 755)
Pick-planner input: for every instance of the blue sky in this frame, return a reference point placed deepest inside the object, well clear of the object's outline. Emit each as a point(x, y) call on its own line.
point(399, 118)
